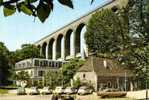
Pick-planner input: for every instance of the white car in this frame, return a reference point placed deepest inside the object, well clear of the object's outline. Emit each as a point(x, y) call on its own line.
point(70, 90)
point(59, 90)
point(84, 90)
point(45, 90)
point(33, 91)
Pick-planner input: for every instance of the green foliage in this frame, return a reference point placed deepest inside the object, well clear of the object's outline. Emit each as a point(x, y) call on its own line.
point(106, 32)
point(4, 65)
point(35, 8)
point(138, 59)
point(9, 10)
point(40, 84)
point(53, 78)
point(3, 91)
point(1, 1)
point(27, 51)
point(22, 75)
point(76, 83)
point(25, 9)
point(43, 11)
point(69, 69)
point(63, 75)
point(122, 35)
point(67, 3)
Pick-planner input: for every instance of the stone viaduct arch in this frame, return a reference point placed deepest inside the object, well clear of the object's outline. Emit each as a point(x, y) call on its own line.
point(44, 49)
point(50, 49)
point(68, 42)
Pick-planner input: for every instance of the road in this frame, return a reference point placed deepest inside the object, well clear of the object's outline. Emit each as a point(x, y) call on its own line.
point(48, 97)
point(27, 97)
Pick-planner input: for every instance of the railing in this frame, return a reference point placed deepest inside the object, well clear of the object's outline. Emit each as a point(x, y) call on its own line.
point(39, 63)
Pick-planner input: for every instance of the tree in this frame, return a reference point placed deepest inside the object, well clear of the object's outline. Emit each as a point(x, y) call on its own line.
point(36, 8)
point(107, 32)
point(76, 83)
point(4, 65)
point(122, 35)
point(64, 74)
point(22, 75)
point(53, 78)
point(27, 51)
point(69, 69)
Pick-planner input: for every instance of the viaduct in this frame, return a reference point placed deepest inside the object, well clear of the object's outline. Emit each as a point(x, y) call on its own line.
point(68, 42)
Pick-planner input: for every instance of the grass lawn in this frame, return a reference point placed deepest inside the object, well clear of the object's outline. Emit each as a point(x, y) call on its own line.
point(3, 91)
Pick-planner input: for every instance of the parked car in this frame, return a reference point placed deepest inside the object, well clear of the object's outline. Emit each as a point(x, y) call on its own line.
point(46, 90)
point(110, 90)
point(34, 91)
point(84, 90)
point(59, 90)
point(70, 90)
point(21, 91)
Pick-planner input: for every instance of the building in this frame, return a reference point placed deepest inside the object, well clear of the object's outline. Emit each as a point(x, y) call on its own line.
point(105, 73)
point(37, 67)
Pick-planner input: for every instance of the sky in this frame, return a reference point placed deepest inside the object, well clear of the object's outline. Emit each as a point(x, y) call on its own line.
point(20, 29)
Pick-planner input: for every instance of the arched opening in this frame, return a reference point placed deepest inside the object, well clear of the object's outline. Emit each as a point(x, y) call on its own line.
point(84, 50)
point(78, 38)
point(50, 48)
point(38, 47)
point(44, 49)
point(67, 42)
point(59, 46)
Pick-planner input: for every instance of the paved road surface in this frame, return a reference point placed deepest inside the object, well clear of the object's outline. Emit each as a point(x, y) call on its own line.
point(27, 97)
point(48, 97)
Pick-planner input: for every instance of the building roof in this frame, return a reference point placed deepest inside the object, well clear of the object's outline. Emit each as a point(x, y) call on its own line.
point(104, 67)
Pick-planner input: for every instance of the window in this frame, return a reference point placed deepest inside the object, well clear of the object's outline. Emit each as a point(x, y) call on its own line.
point(31, 73)
point(36, 63)
point(55, 64)
point(109, 84)
point(41, 64)
point(23, 64)
point(40, 73)
point(49, 64)
point(84, 76)
point(28, 64)
point(60, 64)
point(52, 64)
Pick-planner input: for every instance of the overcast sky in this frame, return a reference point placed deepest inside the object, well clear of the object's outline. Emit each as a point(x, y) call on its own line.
point(20, 28)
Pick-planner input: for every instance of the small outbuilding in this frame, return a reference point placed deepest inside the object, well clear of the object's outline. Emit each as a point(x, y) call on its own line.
point(105, 73)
